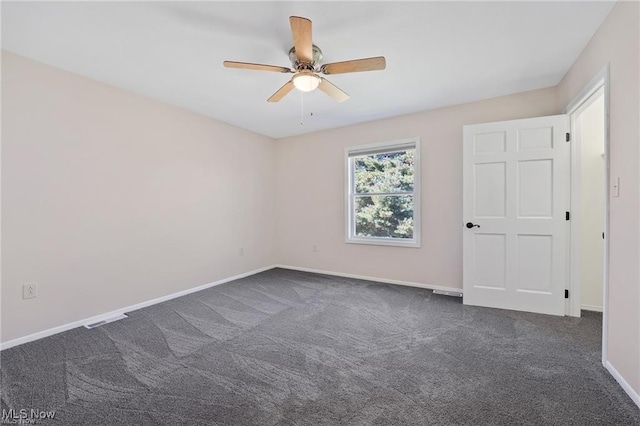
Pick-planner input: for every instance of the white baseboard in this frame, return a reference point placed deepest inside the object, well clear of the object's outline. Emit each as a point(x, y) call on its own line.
point(55, 330)
point(623, 383)
point(363, 277)
point(592, 308)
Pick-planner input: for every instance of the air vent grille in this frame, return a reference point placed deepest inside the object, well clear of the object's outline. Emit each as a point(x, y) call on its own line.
point(105, 321)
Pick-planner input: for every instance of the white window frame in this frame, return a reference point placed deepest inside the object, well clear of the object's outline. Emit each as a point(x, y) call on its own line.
point(350, 153)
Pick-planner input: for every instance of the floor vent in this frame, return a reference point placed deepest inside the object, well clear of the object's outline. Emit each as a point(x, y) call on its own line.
point(106, 321)
point(448, 293)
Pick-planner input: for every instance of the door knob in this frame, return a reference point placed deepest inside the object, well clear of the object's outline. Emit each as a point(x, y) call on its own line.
point(472, 225)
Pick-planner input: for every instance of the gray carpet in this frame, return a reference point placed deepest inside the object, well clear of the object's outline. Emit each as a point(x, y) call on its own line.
point(292, 348)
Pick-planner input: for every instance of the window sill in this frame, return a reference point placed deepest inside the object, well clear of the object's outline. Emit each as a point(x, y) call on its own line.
point(383, 242)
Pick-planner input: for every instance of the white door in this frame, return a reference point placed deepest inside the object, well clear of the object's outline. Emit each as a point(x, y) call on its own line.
point(516, 197)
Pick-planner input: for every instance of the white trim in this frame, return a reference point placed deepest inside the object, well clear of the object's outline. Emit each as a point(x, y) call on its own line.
point(623, 383)
point(380, 241)
point(591, 308)
point(108, 315)
point(599, 80)
point(350, 238)
point(382, 147)
point(368, 278)
point(589, 89)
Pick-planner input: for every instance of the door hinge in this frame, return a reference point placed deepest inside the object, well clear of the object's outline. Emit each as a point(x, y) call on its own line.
point(566, 294)
point(567, 216)
point(568, 137)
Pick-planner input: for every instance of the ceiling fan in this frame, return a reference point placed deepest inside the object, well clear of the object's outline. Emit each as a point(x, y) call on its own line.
point(306, 61)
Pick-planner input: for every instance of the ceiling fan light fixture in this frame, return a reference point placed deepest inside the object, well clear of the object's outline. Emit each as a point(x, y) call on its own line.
point(306, 81)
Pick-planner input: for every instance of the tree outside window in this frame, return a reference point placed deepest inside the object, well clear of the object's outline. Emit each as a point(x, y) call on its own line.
point(382, 197)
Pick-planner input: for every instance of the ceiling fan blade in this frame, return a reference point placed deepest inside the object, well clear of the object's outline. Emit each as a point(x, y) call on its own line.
point(301, 31)
point(332, 90)
point(288, 86)
point(257, 67)
point(357, 65)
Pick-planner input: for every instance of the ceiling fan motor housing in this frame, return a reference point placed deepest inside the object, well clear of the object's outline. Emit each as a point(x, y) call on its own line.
point(298, 65)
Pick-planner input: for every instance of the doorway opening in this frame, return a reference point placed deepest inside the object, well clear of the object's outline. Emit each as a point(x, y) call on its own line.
point(589, 201)
point(590, 135)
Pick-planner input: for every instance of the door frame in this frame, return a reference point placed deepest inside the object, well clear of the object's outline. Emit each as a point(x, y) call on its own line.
point(573, 109)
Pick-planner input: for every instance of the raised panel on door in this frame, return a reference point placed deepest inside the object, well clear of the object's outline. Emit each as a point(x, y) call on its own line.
point(493, 142)
point(535, 188)
point(535, 138)
point(490, 266)
point(535, 263)
point(490, 189)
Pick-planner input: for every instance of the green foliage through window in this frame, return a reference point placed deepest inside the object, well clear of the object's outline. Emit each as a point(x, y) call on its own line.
point(383, 194)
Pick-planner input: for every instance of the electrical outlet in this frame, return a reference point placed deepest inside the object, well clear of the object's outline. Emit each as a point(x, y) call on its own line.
point(241, 251)
point(29, 291)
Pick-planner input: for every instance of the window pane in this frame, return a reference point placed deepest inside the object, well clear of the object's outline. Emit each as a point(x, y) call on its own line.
point(388, 216)
point(384, 173)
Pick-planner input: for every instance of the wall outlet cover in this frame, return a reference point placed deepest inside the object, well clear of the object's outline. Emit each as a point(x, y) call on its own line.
point(29, 291)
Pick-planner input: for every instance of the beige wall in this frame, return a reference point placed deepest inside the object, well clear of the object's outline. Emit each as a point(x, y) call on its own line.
point(310, 180)
point(592, 205)
point(617, 43)
point(110, 199)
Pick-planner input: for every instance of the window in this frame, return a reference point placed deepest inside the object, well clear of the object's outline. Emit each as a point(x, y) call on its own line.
point(383, 193)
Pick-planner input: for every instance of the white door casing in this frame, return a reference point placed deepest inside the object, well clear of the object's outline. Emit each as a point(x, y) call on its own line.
point(516, 189)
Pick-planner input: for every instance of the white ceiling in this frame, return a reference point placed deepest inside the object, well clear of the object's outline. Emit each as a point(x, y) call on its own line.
point(438, 53)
